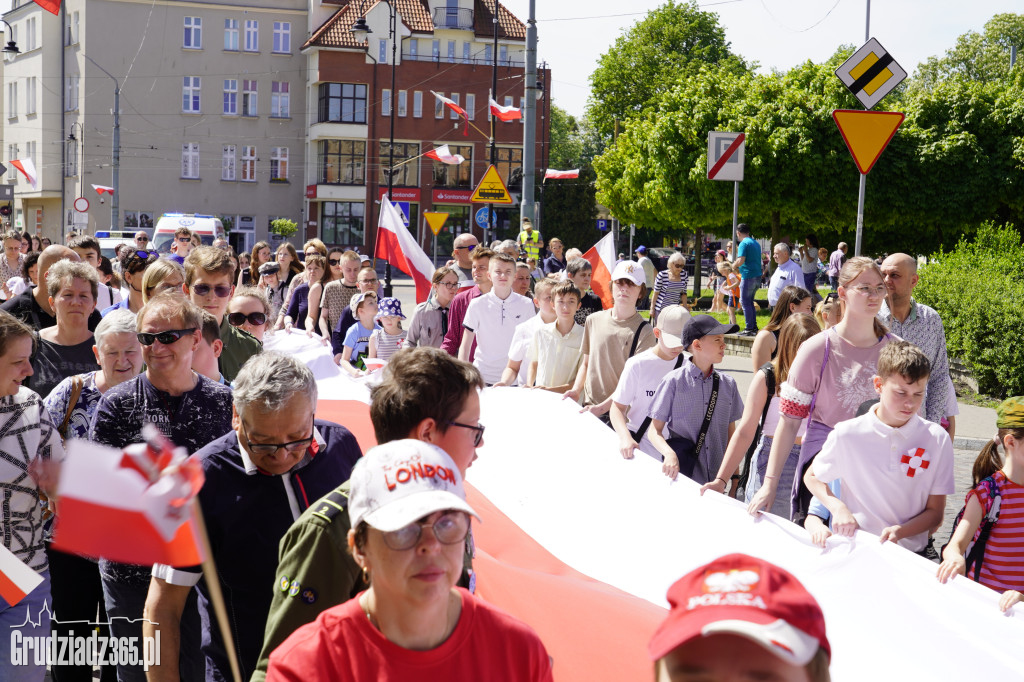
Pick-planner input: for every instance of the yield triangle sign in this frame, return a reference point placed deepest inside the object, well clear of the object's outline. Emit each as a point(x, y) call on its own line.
point(867, 133)
point(435, 220)
point(491, 189)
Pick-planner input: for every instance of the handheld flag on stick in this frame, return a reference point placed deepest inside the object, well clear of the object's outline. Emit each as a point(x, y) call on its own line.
point(396, 245)
point(601, 257)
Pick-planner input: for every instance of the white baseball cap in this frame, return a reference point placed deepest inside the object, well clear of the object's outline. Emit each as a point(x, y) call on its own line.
point(630, 270)
point(671, 321)
point(400, 482)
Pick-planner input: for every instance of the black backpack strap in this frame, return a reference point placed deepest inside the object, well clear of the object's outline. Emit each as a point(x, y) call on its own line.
point(636, 338)
point(976, 553)
point(646, 423)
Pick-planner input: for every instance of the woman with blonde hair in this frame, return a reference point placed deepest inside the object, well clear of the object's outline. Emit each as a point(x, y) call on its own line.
point(162, 275)
point(842, 361)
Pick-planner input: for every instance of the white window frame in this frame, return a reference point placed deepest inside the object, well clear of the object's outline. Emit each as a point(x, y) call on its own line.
point(71, 92)
point(414, 49)
point(451, 51)
point(30, 34)
point(455, 98)
point(30, 95)
point(385, 102)
point(279, 164)
point(250, 98)
point(230, 107)
point(470, 106)
point(227, 163)
point(417, 104)
point(190, 160)
point(12, 153)
point(502, 54)
point(280, 100)
point(252, 36)
point(403, 103)
point(435, 50)
point(12, 99)
point(248, 163)
point(282, 37)
point(231, 35)
point(192, 38)
point(191, 93)
point(71, 31)
point(439, 108)
point(466, 56)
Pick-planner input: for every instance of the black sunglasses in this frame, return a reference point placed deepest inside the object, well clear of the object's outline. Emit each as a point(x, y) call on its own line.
point(222, 290)
point(166, 338)
point(479, 428)
point(142, 239)
point(238, 319)
point(831, 296)
point(334, 261)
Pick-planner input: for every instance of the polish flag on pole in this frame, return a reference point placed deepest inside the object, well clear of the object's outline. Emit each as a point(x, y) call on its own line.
point(509, 113)
point(454, 107)
point(552, 174)
point(52, 6)
point(601, 257)
point(28, 169)
point(143, 492)
point(101, 189)
point(16, 579)
point(396, 245)
point(444, 155)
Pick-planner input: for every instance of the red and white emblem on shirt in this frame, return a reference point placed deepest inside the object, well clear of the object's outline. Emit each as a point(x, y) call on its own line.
point(913, 461)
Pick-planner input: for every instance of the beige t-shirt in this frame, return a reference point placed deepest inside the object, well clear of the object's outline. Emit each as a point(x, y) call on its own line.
point(607, 341)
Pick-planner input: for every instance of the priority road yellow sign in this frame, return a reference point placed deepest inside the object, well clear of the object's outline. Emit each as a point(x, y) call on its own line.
point(435, 220)
point(491, 189)
point(871, 73)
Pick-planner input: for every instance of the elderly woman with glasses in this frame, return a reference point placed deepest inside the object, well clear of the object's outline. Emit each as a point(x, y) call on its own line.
point(409, 520)
point(429, 321)
point(670, 285)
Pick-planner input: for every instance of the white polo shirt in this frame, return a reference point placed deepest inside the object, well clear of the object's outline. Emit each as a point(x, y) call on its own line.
point(494, 322)
point(636, 388)
point(887, 473)
point(522, 341)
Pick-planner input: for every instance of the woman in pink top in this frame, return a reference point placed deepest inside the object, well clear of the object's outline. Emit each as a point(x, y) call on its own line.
point(842, 361)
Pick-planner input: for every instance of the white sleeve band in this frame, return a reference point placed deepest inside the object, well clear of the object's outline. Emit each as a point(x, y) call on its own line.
point(177, 576)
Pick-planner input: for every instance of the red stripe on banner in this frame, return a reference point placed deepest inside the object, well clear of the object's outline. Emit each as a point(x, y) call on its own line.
point(724, 158)
point(601, 257)
point(353, 415)
point(579, 619)
point(10, 591)
point(389, 248)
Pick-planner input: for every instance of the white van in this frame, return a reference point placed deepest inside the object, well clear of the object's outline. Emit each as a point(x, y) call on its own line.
point(208, 228)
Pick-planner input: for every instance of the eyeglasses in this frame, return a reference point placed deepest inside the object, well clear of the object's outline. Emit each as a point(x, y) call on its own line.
point(468, 248)
point(255, 319)
point(334, 261)
point(222, 290)
point(450, 529)
point(479, 428)
point(166, 338)
point(271, 448)
point(449, 285)
point(870, 291)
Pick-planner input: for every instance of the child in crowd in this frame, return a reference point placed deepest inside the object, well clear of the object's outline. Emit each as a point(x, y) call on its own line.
point(611, 337)
point(828, 312)
point(994, 550)
point(522, 341)
point(682, 400)
point(207, 353)
point(895, 468)
point(535, 272)
point(580, 272)
point(640, 379)
point(387, 339)
point(555, 352)
point(357, 338)
point(730, 289)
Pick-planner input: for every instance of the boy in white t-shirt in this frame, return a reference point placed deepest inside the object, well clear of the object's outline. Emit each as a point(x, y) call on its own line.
point(522, 340)
point(491, 320)
point(640, 378)
point(895, 468)
point(555, 354)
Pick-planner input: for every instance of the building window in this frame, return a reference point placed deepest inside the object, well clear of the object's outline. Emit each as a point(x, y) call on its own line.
point(71, 94)
point(446, 175)
point(503, 54)
point(508, 101)
point(283, 37)
point(488, 52)
point(252, 35)
point(227, 162)
point(30, 95)
point(385, 102)
point(72, 158)
point(190, 160)
point(279, 164)
point(382, 51)
point(454, 98)
point(465, 53)
point(30, 34)
point(249, 98)
point(193, 33)
point(230, 97)
point(280, 100)
point(406, 174)
point(12, 153)
point(414, 49)
point(451, 51)
point(435, 50)
point(341, 222)
point(12, 100)
point(438, 107)
point(231, 35)
point(71, 34)
point(342, 162)
point(248, 164)
point(417, 104)
point(508, 158)
point(470, 106)
point(403, 101)
point(190, 94)
point(342, 103)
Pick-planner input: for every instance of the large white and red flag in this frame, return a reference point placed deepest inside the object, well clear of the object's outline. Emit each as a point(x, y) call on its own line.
point(509, 113)
point(602, 260)
point(103, 189)
point(51, 6)
point(28, 169)
point(444, 155)
point(132, 506)
point(17, 580)
point(552, 174)
point(396, 245)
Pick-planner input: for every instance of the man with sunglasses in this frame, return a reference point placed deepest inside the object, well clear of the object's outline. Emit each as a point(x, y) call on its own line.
point(182, 245)
point(462, 255)
point(275, 462)
point(424, 394)
point(192, 411)
point(141, 240)
point(209, 283)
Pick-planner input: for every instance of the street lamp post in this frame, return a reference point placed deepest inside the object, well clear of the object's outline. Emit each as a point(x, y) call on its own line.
point(361, 27)
point(115, 153)
point(80, 168)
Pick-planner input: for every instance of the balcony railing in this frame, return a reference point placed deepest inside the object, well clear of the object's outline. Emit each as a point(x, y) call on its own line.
point(479, 60)
point(453, 17)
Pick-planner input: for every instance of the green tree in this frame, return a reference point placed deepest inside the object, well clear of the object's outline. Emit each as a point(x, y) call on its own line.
point(569, 210)
point(979, 57)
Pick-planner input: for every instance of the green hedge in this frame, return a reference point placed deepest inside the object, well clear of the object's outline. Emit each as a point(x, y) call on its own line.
point(978, 289)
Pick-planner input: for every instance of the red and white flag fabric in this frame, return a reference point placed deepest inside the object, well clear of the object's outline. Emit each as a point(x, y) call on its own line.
point(601, 257)
point(17, 580)
point(444, 155)
point(103, 189)
point(28, 169)
point(552, 174)
point(454, 106)
point(509, 113)
point(52, 6)
point(396, 245)
point(144, 492)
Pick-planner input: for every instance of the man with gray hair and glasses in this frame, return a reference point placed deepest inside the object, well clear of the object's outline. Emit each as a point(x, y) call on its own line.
point(276, 461)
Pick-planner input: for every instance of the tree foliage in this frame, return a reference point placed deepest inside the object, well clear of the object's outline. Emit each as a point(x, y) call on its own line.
point(978, 57)
point(569, 208)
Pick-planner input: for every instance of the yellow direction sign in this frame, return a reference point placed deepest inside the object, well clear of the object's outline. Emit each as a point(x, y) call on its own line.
point(491, 189)
point(871, 73)
point(867, 133)
point(435, 220)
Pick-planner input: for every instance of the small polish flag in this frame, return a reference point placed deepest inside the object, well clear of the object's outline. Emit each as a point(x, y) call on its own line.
point(509, 113)
point(16, 579)
point(396, 245)
point(28, 169)
point(601, 257)
point(101, 189)
point(443, 155)
point(450, 104)
point(552, 174)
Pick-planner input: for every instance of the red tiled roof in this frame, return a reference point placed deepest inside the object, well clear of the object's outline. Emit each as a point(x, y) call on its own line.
point(337, 31)
point(509, 25)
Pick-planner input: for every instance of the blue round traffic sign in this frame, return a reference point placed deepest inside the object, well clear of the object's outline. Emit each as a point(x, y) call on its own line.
point(481, 217)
